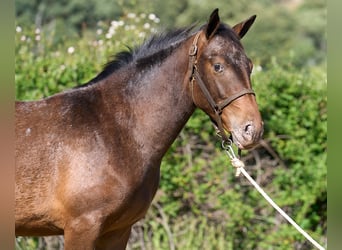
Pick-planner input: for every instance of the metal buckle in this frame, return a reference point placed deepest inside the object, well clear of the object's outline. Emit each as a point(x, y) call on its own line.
point(193, 50)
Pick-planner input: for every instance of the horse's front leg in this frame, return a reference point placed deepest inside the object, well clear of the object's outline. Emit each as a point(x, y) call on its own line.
point(81, 233)
point(114, 240)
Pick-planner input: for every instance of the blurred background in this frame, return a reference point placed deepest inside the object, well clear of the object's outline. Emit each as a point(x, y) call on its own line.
point(200, 203)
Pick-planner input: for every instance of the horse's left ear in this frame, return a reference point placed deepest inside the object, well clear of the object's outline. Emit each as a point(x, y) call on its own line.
point(213, 24)
point(242, 28)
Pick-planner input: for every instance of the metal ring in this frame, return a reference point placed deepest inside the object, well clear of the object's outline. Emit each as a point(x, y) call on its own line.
point(226, 144)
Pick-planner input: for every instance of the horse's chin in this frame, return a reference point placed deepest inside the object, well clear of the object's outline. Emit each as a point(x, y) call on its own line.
point(241, 143)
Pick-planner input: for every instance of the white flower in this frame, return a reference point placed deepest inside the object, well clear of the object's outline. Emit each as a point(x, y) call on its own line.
point(114, 24)
point(37, 37)
point(130, 27)
point(71, 50)
point(152, 16)
point(37, 31)
point(156, 20)
point(147, 26)
point(131, 15)
point(99, 31)
point(256, 69)
point(18, 29)
point(23, 38)
point(141, 34)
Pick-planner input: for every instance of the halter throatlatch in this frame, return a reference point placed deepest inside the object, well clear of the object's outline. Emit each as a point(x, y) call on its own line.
point(217, 107)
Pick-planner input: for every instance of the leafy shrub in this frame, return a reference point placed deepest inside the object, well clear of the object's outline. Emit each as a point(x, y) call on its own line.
point(43, 68)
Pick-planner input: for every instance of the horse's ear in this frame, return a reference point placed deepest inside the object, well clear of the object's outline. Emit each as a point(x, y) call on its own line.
point(213, 24)
point(242, 28)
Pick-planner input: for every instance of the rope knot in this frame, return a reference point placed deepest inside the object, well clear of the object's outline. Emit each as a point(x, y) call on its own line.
point(238, 164)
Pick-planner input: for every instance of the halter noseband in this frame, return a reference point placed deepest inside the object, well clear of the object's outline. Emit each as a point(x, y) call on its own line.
point(217, 107)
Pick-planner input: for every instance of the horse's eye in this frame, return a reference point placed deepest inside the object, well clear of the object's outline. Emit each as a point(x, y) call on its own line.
point(218, 67)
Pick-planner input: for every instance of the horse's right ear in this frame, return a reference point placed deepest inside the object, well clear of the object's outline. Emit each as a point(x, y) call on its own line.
point(213, 24)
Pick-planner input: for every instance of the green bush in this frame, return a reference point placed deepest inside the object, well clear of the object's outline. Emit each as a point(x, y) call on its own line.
point(200, 203)
point(43, 68)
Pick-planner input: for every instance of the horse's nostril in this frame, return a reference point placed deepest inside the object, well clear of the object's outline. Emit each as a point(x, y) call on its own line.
point(249, 128)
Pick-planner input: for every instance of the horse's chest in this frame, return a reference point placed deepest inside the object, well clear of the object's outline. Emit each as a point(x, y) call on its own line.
point(134, 197)
point(119, 193)
point(141, 195)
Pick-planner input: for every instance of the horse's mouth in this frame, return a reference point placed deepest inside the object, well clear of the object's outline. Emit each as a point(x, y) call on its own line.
point(236, 141)
point(243, 142)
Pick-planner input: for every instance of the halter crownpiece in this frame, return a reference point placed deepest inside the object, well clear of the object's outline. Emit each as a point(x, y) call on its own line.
point(217, 107)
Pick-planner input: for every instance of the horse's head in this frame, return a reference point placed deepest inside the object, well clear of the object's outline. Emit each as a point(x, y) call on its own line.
point(221, 83)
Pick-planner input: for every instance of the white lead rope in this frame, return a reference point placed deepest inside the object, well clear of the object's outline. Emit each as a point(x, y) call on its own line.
point(239, 165)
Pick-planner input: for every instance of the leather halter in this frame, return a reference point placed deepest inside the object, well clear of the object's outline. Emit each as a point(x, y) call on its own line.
point(217, 107)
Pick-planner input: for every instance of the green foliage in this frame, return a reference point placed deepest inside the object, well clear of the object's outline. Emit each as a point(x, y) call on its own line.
point(26, 243)
point(75, 12)
point(69, 63)
point(200, 203)
point(292, 30)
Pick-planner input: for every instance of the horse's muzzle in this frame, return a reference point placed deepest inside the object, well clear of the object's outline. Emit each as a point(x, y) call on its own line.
point(248, 135)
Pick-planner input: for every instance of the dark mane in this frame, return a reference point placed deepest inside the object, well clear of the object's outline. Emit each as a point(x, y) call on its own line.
point(151, 52)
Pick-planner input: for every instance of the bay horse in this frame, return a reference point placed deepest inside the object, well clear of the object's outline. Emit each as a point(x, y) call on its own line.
point(88, 159)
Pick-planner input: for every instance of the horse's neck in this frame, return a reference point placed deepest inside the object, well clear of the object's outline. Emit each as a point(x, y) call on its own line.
point(161, 105)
